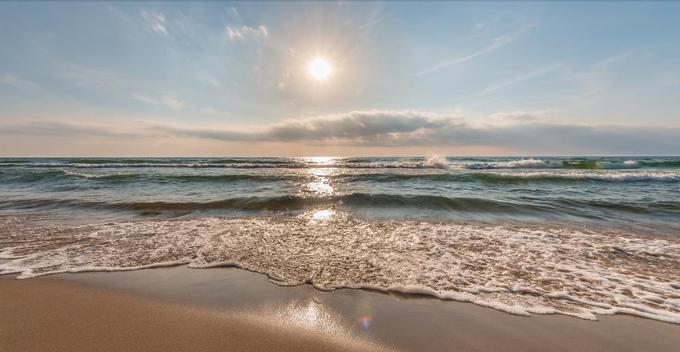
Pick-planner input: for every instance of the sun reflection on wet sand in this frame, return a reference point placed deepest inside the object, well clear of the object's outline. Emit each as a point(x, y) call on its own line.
point(311, 315)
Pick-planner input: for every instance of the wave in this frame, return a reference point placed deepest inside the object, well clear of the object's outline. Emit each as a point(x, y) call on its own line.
point(288, 202)
point(523, 177)
point(554, 176)
point(181, 161)
point(559, 164)
point(435, 162)
point(53, 175)
point(183, 178)
point(517, 269)
point(579, 164)
point(109, 164)
point(581, 207)
point(514, 164)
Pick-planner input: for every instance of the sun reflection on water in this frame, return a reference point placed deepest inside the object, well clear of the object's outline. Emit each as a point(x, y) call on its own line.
point(320, 184)
point(323, 214)
point(323, 160)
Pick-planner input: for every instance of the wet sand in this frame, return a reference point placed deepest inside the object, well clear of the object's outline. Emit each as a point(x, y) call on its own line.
point(56, 315)
point(232, 310)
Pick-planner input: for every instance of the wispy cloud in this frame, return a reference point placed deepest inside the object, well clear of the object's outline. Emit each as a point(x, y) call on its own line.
point(495, 44)
point(244, 32)
point(523, 131)
point(15, 81)
point(167, 101)
point(155, 21)
point(527, 76)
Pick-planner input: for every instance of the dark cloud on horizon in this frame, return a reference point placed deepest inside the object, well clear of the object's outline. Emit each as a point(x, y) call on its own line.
point(405, 128)
point(356, 126)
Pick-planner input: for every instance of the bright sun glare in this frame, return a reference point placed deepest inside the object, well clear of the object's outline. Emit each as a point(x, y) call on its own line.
point(319, 69)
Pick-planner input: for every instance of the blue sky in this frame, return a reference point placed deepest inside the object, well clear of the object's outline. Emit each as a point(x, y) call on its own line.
point(221, 78)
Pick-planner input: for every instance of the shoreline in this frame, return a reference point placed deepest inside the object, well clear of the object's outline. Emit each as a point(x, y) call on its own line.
point(223, 298)
point(517, 269)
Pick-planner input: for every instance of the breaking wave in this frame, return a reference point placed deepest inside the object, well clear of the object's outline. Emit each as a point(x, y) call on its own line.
point(554, 176)
point(520, 270)
point(519, 177)
point(583, 207)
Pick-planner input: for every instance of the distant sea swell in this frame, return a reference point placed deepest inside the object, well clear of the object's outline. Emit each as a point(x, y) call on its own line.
point(433, 162)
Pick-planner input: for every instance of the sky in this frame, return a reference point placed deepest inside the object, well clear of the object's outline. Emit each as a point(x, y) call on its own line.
point(440, 78)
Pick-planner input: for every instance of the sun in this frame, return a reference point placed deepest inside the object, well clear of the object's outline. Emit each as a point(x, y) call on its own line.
point(319, 69)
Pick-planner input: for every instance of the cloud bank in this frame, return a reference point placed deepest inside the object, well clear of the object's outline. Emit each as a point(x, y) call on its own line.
point(364, 127)
point(520, 132)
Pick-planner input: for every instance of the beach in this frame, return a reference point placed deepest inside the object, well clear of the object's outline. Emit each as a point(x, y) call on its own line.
point(51, 315)
point(339, 176)
point(234, 310)
point(408, 254)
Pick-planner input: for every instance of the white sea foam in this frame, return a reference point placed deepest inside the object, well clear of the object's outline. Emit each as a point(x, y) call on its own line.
point(437, 162)
point(514, 164)
point(519, 270)
point(82, 174)
point(595, 175)
point(532, 163)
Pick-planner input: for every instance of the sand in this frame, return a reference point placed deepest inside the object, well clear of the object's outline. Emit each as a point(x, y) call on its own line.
point(55, 315)
point(230, 309)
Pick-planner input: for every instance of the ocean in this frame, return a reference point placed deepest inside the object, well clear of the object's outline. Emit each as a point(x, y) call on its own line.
point(548, 235)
